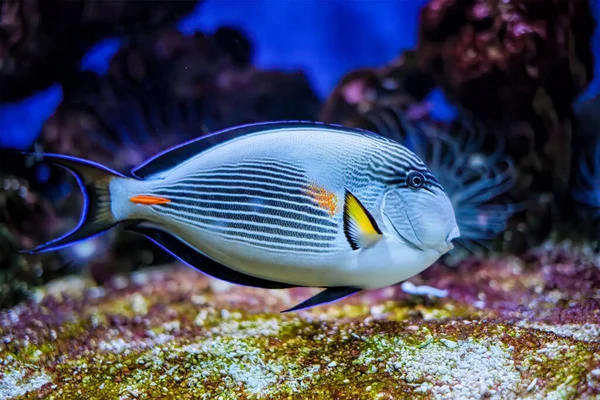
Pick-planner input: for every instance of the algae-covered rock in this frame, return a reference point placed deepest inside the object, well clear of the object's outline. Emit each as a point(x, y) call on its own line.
point(507, 329)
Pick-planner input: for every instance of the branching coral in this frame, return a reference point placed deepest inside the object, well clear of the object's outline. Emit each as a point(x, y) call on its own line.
point(473, 180)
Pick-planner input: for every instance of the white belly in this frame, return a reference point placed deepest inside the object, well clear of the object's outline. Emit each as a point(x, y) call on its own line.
point(386, 263)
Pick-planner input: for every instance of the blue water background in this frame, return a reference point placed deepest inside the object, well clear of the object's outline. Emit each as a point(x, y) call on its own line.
point(325, 38)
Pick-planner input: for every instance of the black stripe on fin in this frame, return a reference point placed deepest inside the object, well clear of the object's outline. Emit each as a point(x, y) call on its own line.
point(326, 296)
point(192, 257)
point(176, 155)
point(93, 180)
point(360, 227)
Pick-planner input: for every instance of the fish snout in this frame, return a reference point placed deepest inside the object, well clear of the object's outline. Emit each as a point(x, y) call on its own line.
point(454, 233)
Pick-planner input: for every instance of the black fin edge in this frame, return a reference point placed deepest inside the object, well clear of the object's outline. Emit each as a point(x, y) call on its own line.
point(328, 295)
point(96, 218)
point(177, 154)
point(353, 244)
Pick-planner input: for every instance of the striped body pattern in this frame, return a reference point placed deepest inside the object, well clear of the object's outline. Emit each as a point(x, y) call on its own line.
point(272, 202)
point(264, 203)
point(280, 205)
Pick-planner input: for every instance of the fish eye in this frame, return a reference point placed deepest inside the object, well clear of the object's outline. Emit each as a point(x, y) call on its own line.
point(415, 180)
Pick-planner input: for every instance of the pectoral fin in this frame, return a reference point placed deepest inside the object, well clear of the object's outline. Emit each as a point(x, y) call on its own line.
point(360, 227)
point(326, 296)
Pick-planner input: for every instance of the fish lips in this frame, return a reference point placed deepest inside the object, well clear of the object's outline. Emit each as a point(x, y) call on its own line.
point(454, 234)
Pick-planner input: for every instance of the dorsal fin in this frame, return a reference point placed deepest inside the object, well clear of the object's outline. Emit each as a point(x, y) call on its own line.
point(175, 155)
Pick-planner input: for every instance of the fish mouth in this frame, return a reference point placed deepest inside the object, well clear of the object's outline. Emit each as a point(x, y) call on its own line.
point(454, 233)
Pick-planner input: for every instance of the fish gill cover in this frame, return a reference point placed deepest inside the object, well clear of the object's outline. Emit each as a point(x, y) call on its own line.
point(519, 162)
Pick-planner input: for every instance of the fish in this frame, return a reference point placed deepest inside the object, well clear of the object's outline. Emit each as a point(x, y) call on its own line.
point(277, 205)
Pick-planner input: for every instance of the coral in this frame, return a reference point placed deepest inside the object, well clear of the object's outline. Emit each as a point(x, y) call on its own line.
point(42, 42)
point(164, 90)
point(517, 65)
point(22, 213)
point(511, 49)
point(498, 326)
point(505, 330)
point(401, 85)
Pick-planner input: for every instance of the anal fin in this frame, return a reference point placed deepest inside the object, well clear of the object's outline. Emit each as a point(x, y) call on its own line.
point(326, 296)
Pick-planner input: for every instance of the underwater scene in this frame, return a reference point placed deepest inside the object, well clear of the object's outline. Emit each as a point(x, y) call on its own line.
point(299, 199)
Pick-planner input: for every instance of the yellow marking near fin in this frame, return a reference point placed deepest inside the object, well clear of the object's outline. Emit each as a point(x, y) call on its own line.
point(324, 198)
point(360, 216)
point(359, 226)
point(148, 200)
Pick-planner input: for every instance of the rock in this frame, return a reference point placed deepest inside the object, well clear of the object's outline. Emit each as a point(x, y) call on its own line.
point(402, 85)
point(42, 42)
point(235, 342)
point(22, 212)
point(517, 66)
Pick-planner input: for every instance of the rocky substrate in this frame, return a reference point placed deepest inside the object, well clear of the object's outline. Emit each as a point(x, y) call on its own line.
point(506, 328)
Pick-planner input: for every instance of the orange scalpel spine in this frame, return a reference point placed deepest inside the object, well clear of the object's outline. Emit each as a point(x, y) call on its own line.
point(148, 200)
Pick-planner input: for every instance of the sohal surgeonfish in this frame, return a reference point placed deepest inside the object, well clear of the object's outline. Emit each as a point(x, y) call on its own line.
point(278, 205)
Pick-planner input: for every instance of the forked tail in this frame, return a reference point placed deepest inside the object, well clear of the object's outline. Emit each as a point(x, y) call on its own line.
point(96, 217)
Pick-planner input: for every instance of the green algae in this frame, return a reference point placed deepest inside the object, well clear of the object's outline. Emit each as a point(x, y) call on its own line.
point(158, 343)
point(298, 359)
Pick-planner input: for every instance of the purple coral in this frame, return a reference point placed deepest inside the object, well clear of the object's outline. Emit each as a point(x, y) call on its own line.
point(517, 65)
point(510, 49)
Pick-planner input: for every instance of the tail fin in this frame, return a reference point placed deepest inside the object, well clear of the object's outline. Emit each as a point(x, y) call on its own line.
point(96, 217)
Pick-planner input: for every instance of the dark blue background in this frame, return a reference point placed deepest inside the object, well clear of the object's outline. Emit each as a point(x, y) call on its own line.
point(325, 38)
